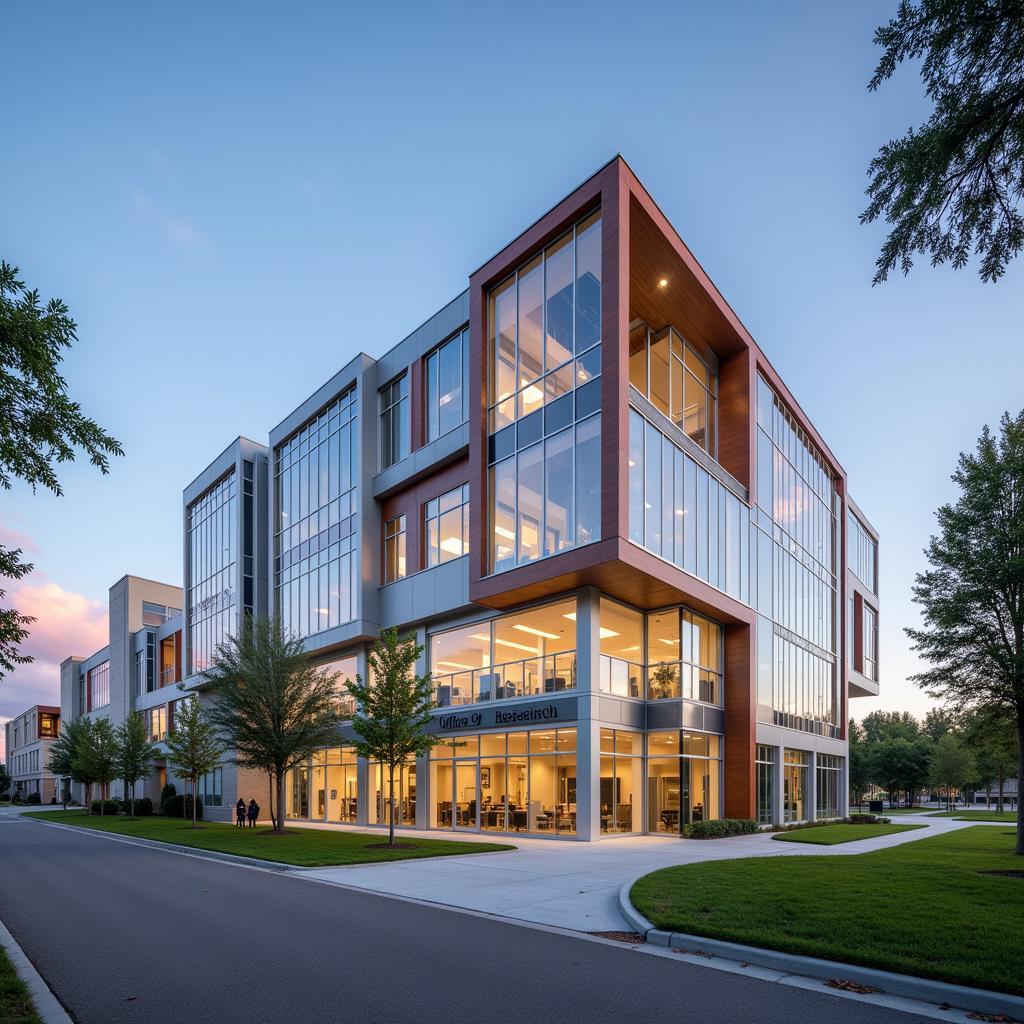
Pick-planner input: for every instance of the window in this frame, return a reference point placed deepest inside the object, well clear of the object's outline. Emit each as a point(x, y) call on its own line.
point(684, 657)
point(622, 656)
point(828, 770)
point(446, 526)
point(157, 614)
point(862, 553)
point(870, 649)
point(99, 686)
point(683, 779)
point(794, 785)
point(445, 373)
point(765, 784)
point(394, 549)
point(621, 781)
point(316, 562)
point(156, 723)
point(541, 319)
point(666, 369)
point(394, 422)
point(140, 673)
point(48, 726)
point(210, 789)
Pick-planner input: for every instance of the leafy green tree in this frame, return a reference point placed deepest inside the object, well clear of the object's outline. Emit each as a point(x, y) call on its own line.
point(270, 704)
point(954, 185)
point(953, 765)
point(972, 596)
point(193, 748)
point(133, 755)
point(888, 725)
point(938, 722)
point(900, 766)
point(5, 782)
point(992, 738)
point(393, 709)
point(40, 426)
point(66, 754)
point(98, 756)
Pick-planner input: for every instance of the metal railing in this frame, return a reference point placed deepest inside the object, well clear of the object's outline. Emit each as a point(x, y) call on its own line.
point(551, 673)
point(167, 675)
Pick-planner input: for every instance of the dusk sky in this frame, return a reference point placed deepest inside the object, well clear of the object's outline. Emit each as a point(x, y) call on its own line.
point(236, 199)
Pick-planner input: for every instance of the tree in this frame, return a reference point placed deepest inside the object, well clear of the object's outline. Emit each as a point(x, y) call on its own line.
point(66, 754)
point(192, 746)
point(271, 704)
point(5, 782)
point(882, 725)
point(133, 755)
point(40, 426)
point(858, 765)
point(952, 765)
point(938, 722)
point(393, 709)
point(955, 184)
point(972, 596)
point(992, 738)
point(900, 766)
point(97, 756)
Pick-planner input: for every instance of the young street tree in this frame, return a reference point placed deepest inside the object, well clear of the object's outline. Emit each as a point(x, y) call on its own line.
point(952, 765)
point(271, 704)
point(193, 749)
point(66, 754)
point(133, 756)
point(954, 185)
point(40, 426)
point(97, 756)
point(972, 596)
point(393, 710)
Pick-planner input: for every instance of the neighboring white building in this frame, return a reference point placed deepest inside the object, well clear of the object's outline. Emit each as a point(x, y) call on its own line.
point(29, 738)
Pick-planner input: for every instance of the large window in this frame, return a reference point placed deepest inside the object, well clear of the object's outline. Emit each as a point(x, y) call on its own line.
point(622, 655)
point(870, 648)
point(622, 772)
point(446, 526)
point(326, 788)
point(829, 772)
point(345, 669)
point(684, 776)
point(794, 785)
point(404, 793)
point(156, 723)
point(316, 498)
point(394, 421)
point(210, 789)
point(212, 554)
point(862, 553)
point(394, 549)
point(684, 657)
point(99, 686)
point(666, 369)
point(506, 782)
point(514, 655)
point(446, 407)
point(539, 319)
point(682, 513)
point(765, 784)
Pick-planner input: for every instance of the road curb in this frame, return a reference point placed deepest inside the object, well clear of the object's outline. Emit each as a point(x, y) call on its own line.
point(904, 985)
point(46, 1003)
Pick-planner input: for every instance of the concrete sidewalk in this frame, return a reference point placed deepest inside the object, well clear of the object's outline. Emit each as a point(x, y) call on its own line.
point(576, 885)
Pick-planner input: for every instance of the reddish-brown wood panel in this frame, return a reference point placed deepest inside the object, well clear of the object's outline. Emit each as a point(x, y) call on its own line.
point(417, 405)
point(735, 415)
point(740, 723)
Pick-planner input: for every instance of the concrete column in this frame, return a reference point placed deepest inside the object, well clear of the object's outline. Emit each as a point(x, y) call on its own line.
point(777, 789)
point(363, 792)
point(844, 787)
point(811, 799)
point(588, 639)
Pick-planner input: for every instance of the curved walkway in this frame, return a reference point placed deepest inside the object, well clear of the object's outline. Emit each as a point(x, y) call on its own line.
point(576, 885)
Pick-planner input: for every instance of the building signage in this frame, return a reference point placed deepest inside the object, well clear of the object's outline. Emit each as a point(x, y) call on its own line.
point(512, 716)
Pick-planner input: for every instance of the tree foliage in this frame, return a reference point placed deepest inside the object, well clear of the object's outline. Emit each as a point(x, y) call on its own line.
point(270, 703)
point(952, 765)
point(68, 753)
point(393, 709)
point(96, 756)
point(193, 748)
point(972, 594)
point(133, 756)
point(40, 425)
point(953, 186)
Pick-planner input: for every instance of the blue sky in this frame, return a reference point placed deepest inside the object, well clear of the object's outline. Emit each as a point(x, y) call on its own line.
point(235, 199)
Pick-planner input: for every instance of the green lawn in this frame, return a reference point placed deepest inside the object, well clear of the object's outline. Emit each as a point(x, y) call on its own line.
point(1010, 816)
point(833, 835)
point(923, 908)
point(15, 1002)
point(302, 847)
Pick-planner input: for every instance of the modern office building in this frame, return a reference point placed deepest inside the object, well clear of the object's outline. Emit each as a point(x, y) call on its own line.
point(641, 586)
point(27, 741)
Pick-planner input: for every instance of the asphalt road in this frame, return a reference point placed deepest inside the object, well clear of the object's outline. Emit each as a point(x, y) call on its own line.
point(128, 933)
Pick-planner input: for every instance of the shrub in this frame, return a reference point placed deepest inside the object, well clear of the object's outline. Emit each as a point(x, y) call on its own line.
point(180, 806)
point(33, 798)
point(167, 793)
point(867, 819)
point(720, 828)
point(109, 807)
point(143, 806)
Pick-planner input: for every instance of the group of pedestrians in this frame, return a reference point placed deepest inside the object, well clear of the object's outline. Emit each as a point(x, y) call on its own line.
point(245, 814)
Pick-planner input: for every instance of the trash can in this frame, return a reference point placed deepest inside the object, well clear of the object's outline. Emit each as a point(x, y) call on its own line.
point(876, 806)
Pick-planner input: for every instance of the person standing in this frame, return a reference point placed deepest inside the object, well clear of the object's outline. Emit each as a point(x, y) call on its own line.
point(254, 812)
point(240, 813)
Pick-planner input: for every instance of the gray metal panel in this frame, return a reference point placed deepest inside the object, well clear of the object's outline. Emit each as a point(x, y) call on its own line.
point(615, 711)
point(504, 714)
point(423, 461)
point(444, 323)
point(426, 595)
point(230, 458)
point(664, 714)
point(714, 720)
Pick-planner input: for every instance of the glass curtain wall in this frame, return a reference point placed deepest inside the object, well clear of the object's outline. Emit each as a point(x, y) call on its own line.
point(680, 512)
point(446, 526)
point(870, 649)
point(506, 782)
point(394, 549)
point(326, 788)
point(765, 784)
point(622, 771)
point(794, 785)
point(684, 774)
point(99, 686)
point(622, 653)
point(829, 773)
point(394, 421)
point(796, 561)
point(446, 368)
point(404, 793)
point(315, 501)
point(862, 553)
point(212, 553)
point(684, 657)
point(544, 358)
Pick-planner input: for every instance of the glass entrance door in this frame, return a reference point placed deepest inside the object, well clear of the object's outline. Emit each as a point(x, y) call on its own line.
point(467, 797)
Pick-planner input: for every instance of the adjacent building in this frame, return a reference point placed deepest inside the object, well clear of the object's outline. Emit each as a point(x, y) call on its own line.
point(641, 585)
point(28, 738)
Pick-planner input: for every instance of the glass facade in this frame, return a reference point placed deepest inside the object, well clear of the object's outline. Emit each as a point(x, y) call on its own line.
point(795, 764)
point(622, 663)
point(212, 555)
point(828, 779)
point(506, 782)
point(404, 793)
point(156, 723)
point(315, 505)
point(684, 777)
point(684, 657)
point(394, 549)
point(211, 788)
point(622, 772)
point(446, 369)
point(765, 784)
point(667, 370)
point(394, 421)
point(446, 526)
point(680, 512)
point(522, 654)
point(870, 643)
point(862, 553)
point(325, 788)
point(99, 686)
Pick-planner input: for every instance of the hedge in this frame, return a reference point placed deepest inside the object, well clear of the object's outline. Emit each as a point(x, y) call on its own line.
point(720, 828)
point(143, 806)
point(180, 806)
point(109, 807)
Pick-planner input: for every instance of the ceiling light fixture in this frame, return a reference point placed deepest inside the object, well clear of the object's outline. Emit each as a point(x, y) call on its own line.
point(536, 632)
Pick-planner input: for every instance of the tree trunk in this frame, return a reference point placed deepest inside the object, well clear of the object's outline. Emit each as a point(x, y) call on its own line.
point(270, 799)
point(391, 805)
point(1020, 782)
point(1000, 805)
point(279, 780)
point(193, 803)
